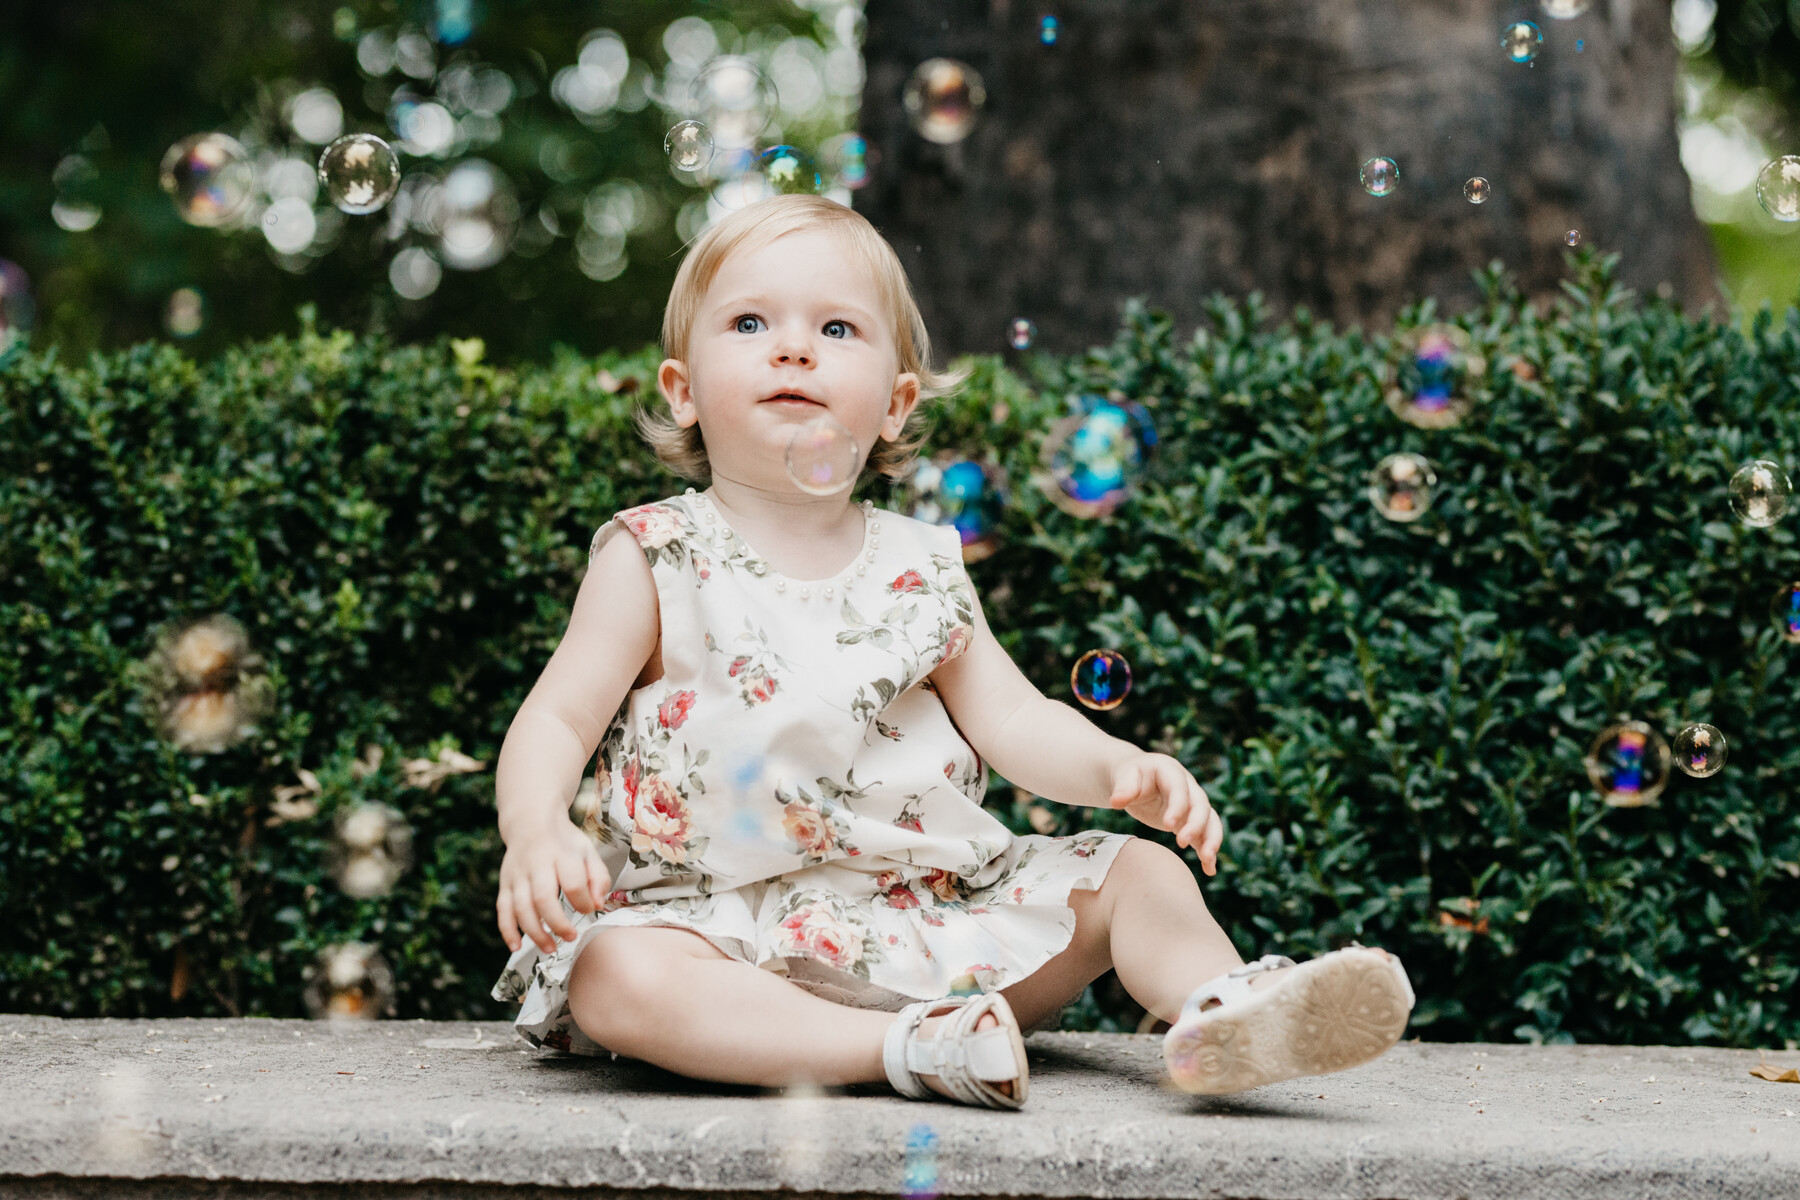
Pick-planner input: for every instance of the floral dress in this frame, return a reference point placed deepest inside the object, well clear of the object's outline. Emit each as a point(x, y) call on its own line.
point(794, 791)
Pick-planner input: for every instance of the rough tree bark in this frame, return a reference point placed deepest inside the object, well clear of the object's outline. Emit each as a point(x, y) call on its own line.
point(1172, 148)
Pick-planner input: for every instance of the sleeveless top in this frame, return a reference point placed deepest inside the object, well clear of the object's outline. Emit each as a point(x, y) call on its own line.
point(793, 789)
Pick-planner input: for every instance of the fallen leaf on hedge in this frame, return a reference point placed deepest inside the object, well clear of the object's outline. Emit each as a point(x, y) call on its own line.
point(1452, 921)
point(369, 763)
point(424, 773)
point(291, 803)
point(1776, 1074)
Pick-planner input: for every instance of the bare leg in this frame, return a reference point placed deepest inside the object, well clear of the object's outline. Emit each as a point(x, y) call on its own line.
point(669, 997)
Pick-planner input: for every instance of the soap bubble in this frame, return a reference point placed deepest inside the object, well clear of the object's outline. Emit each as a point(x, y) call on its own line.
point(1785, 608)
point(1778, 188)
point(473, 212)
point(1563, 10)
point(942, 99)
point(17, 311)
point(1401, 486)
point(1628, 764)
point(1047, 29)
point(1100, 679)
point(1380, 176)
point(1759, 493)
point(846, 159)
point(210, 178)
point(206, 684)
point(789, 171)
point(822, 456)
point(1477, 190)
point(921, 1180)
point(185, 313)
point(1093, 459)
point(734, 99)
point(370, 849)
point(360, 172)
point(349, 982)
point(77, 204)
point(1573, 237)
point(1021, 333)
point(1432, 378)
point(963, 495)
point(1700, 750)
point(689, 145)
point(1521, 41)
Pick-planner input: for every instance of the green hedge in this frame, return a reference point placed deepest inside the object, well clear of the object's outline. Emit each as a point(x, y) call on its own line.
point(1391, 717)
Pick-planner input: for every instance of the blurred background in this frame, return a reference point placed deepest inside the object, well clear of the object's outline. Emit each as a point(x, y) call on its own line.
point(547, 121)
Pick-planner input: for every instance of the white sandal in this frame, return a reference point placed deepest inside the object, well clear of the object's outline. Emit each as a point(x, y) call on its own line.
point(968, 1062)
point(1327, 1014)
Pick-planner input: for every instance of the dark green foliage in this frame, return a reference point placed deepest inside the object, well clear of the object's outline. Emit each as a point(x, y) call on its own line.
point(1391, 717)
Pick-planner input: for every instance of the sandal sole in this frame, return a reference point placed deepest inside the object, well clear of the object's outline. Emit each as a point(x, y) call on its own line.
point(1331, 1014)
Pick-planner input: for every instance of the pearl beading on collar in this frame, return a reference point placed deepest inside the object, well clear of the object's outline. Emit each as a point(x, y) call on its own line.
point(830, 591)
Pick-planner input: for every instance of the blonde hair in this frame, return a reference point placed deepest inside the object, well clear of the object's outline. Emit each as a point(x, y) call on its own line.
point(752, 227)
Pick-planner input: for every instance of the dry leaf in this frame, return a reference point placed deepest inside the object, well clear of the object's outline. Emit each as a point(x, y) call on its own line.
point(1776, 1074)
point(292, 802)
point(424, 773)
point(369, 763)
point(1452, 921)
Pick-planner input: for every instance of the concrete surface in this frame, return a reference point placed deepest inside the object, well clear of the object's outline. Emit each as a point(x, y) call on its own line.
point(271, 1108)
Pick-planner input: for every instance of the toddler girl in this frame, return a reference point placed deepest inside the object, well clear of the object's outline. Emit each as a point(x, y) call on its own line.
point(795, 699)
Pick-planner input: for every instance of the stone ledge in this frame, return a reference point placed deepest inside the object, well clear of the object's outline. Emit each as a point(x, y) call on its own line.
point(120, 1108)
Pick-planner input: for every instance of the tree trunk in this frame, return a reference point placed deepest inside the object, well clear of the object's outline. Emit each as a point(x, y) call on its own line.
point(1172, 148)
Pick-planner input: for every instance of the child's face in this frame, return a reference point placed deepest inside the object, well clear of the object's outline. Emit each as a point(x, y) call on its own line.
point(800, 315)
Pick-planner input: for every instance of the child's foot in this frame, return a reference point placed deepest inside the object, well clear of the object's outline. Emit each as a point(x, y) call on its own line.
point(928, 1030)
point(1275, 1022)
point(966, 1048)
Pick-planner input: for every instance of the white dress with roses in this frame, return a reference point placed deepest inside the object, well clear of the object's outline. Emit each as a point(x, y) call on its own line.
point(793, 790)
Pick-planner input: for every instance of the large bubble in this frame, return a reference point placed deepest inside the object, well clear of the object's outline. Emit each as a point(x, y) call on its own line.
point(1628, 764)
point(822, 456)
point(964, 495)
point(1700, 750)
point(1521, 41)
point(210, 177)
point(1433, 376)
point(1101, 679)
point(1402, 487)
point(689, 145)
point(1778, 188)
point(790, 171)
point(370, 849)
point(942, 99)
point(360, 172)
point(1759, 493)
point(1093, 459)
point(349, 982)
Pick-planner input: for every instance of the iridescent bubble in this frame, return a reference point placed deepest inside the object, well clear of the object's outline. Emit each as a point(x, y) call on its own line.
point(1101, 679)
point(921, 1181)
point(790, 171)
point(1477, 190)
point(1433, 375)
point(370, 850)
point(1380, 176)
point(846, 160)
point(1700, 750)
point(1778, 188)
point(1402, 487)
point(17, 310)
point(1563, 10)
point(349, 982)
point(964, 495)
point(689, 145)
point(1020, 333)
point(942, 99)
point(1785, 608)
point(1093, 458)
point(1628, 764)
point(360, 172)
point(185, 313)
point(210, 177)
point(1047, 29)
point(1521, 41)
point(1759, 493)
point(1573, 237)
point(734, 99)
point(822, 456)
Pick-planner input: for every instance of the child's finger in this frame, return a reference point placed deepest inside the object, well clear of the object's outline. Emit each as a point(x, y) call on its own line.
point(550, 909)
point(599, 879)
point(573, 873)
point(1211, 841)
point(509, 926)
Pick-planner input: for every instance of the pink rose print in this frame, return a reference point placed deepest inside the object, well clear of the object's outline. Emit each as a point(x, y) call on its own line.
point(942, 883)
point(886, 879)
point(1016, 896)
point(909, 582)
point(652, 524)
point(559, 1038)
point(631, 773)
point(900, 896)
point(738, 664)
point(758, 685)
point(1083, 850)
point(662, 823)
point(960, 637)
point(892, 940)
point(909, 822)
point(949, 769)
point(673, 711)
point(705, 565)
point(814, 933)
point(930, 918)
point(614, 900)
point(808, 827)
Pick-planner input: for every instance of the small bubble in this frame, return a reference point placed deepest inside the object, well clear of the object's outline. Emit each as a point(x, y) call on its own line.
point(1778, 188)
point(689, 145)
point(1380, 176)
point(790, 171)
point(1628, 764)
point(846, 158)
point(1095, 456)
point(1521, 41)
point(942, 99)
point(1573, 237)
point(349, 982)
point(360, 172)
point(1101, 679)
point(1759, 493)
point(822, 457)
point(1021, 333)
point(210, 177)
point(1402, 487)
point(1700, 750)
point(1477, 190)
point(1047, 29)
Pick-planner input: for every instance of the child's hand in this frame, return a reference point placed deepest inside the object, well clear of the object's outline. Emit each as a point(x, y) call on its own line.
point(539, 863)
point(1161, 793)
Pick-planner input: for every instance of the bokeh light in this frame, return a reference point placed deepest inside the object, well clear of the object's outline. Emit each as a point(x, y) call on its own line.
point(473, 213)
point(206, 684)
point(1476, 190)
point(1778, 188)
point(371, 848)
point(1759, 492)
point(1433, 376)
point(943, 98)
point(1521, 41)
point(415, 273)
point(1048, 28)
point(76, 208)
point(210, 178)
point(1628, 764)
point(822, 456)
point(1564, 10)
point(1700, 750)
point(964, 495)
point(18, 311)
point(1094, 458)
point(315, 115)
point(1402, 487)
point(360, 173)
point(1380, 176)
point(1101, 679)
point(689, 145)
point(790, 171)
point(185, 313)
point(349, 982)
point(921, 1166)
point(1020, 333)
point(734, 98)
point(1785, 608)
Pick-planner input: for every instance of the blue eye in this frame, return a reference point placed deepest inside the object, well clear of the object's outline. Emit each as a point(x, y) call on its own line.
point(754, 324)
point(839, 325)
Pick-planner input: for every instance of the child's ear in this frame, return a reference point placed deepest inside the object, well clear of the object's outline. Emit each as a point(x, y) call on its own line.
point(673, 381)
point(900, 405)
